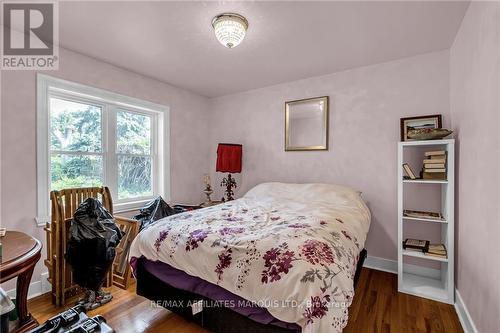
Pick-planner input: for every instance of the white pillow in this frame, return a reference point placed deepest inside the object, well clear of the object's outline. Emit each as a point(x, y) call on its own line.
point(302, 192)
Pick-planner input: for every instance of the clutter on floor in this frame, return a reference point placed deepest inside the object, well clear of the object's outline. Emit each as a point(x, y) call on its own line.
point(74, 320)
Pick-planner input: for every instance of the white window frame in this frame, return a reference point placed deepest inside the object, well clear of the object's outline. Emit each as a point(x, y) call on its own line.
point(110, 103)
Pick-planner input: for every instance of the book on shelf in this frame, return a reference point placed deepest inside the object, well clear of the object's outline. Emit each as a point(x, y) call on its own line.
point(409, 172)
point(435, 153)
point(434, 166)
point(440, 170)
point(422, 214)
point(445, 256)
point(434, 161)
point(437, 250)
point(434, 175)
point(416, 244)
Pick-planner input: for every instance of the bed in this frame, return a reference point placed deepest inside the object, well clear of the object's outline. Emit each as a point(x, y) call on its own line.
point(281, 259)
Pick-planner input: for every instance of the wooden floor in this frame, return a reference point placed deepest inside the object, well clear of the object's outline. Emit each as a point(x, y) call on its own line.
point(377, 307)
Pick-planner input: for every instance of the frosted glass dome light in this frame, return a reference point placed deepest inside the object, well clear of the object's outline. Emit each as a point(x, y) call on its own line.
point(230, 29)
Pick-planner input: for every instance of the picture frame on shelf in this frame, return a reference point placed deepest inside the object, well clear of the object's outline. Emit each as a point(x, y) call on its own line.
point(419, 122)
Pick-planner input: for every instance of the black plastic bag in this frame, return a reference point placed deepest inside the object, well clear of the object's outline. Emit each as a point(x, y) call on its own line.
point(153, 211)
point(91, 247)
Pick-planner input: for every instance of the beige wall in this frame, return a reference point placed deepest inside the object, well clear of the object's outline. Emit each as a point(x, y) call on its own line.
point(475, 105)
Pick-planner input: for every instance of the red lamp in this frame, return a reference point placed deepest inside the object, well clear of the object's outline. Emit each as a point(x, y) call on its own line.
point(229, 160)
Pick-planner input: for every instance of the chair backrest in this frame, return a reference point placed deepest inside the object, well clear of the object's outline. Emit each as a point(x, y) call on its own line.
point(65, 202)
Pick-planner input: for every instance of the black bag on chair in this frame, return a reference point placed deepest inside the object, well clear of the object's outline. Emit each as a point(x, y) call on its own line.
point(153, 211)
point(91, 247)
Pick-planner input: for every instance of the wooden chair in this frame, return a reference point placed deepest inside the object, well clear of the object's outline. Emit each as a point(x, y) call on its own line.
point(64, 203)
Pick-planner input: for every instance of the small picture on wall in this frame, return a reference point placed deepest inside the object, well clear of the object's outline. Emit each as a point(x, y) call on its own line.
point(421, 122)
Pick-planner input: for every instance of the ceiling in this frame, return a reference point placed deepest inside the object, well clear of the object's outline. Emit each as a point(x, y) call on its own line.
point(174, 41)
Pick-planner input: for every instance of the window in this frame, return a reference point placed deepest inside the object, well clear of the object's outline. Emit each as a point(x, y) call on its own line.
point(93, 138)
point(76, 145)
point(133, 152)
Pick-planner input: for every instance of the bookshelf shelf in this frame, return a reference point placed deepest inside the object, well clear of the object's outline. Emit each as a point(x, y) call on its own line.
point(424, 287)
point(422, 256)
point(424, 143)
point(408, 218)
point(433, 283)
point(425, 181)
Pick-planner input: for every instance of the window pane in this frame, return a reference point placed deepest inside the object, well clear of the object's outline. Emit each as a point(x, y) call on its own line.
point(74, 126)
point(134, 177)
point(70, 171)
point(133, 133)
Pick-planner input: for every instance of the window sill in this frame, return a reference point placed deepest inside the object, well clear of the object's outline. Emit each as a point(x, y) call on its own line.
point(130, 206)
point(41, 221)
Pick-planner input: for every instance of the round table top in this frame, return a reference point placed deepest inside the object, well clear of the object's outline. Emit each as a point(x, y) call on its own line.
point(17, 247)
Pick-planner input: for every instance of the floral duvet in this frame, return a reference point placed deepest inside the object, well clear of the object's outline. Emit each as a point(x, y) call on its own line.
point(290, 248)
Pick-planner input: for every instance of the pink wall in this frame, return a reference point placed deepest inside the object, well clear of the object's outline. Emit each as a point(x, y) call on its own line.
point(365, 107)
point(475, 105)
point(188, 120)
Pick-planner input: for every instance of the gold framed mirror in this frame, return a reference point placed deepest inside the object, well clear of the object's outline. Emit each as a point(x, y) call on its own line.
point(306, 124)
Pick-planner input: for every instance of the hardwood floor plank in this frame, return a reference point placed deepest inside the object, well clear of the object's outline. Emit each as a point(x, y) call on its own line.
point(377, 307)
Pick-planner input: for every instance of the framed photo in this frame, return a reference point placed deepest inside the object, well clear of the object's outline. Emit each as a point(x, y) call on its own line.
point(433, 121)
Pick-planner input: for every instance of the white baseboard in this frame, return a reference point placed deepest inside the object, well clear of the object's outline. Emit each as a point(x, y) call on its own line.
point(391, 266)
point(36, 288)
point(464, 315)
point(381, 264)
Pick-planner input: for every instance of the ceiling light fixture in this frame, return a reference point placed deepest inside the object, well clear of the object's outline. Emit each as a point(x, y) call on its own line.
point(230, 29)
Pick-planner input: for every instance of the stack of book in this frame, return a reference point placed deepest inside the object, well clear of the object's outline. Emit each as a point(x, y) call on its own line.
point(424, 246)
point(437, 250)
point(435, 165)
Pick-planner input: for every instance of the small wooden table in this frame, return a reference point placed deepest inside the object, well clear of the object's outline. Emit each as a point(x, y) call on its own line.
point(20, 253)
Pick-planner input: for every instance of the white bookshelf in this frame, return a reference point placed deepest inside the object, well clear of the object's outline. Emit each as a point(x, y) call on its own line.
point(439, 287)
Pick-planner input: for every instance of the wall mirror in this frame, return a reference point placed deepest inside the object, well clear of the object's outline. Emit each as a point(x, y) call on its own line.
point(306, 124)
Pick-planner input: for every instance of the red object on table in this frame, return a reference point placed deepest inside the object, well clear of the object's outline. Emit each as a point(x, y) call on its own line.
point(20, 255)
point(229, 157)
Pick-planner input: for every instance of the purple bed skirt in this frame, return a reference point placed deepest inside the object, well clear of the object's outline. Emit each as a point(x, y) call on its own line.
point(181, 280)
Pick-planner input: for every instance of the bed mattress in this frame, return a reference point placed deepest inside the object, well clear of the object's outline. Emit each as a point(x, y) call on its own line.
point(220, 296)
point(290, 249)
